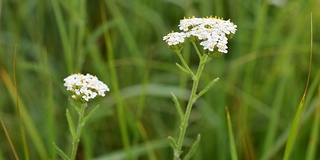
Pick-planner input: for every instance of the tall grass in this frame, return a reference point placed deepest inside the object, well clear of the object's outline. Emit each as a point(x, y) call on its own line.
point(262, 78)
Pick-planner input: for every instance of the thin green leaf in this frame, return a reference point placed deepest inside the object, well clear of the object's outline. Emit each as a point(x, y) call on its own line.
point(294, 130)
point(209, 85)
point(231, 138)
point(314, 138)
point(185, 65)
point(60, 152)
point(70, 122)
point(8, 138)
point(311, 151)
point(295, 124)
point(90, 113)
point(75, 105)
point(177, 104)
point(172, 143)
point(193, 148)
point(181, 68)
point(63, 34)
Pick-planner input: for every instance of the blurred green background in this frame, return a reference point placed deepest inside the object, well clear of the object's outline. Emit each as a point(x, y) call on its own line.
point(262, 78)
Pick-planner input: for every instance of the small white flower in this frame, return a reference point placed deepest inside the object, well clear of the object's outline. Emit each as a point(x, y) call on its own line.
point(186, 24)
point(209, 44)
point(174, 38)
point(85, 87)
point(222, 48)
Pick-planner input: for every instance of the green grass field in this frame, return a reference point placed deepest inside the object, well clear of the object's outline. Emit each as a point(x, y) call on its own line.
point(262, 79)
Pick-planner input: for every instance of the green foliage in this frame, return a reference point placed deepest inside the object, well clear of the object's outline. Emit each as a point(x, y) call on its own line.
point(261, 79)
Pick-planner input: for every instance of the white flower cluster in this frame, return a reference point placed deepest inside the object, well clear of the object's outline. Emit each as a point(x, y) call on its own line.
point(85, 87)
point(174, 38)
point(211, 32)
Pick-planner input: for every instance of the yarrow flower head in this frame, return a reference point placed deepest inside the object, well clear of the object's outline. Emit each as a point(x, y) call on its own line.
point(85, 87)
point(211, 32)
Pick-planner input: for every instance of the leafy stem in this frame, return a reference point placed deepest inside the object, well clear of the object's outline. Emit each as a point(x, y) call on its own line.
point(76, 137)
point(192, 99)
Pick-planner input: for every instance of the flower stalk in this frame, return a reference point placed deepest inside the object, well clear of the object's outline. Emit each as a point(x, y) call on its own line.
point(82, 88)
point(192, 100)
point(212, 34)
point(76, 138)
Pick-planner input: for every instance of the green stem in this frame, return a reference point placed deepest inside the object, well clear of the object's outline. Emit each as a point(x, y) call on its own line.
point(192, 99)
point(76, 138)
point(196, 48)
point(184, 64)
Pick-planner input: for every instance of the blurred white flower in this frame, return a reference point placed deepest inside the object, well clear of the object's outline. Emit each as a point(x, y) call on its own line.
point(211, 32)
point(85, 87)
point(278, 3)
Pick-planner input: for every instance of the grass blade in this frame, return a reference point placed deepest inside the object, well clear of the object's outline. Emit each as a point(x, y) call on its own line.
point(294, 130)
point(22, 130)
point(115, 86)
point(315, 131)
point(64, 36)
point(30, 126)
point(9, 139)
point(295, 124)
point(311, 151)
point(231, 137)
